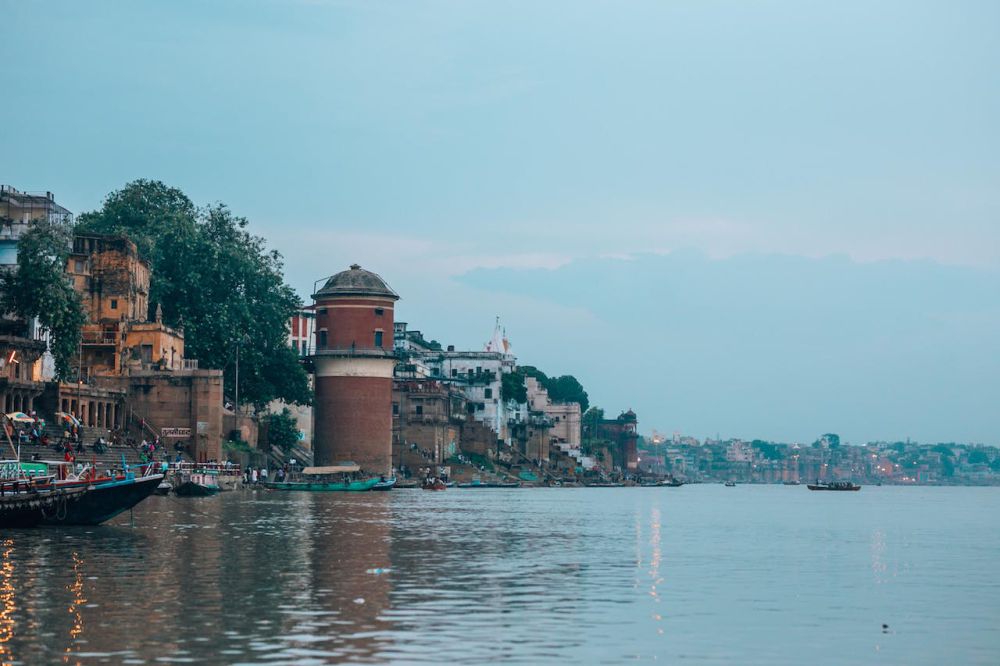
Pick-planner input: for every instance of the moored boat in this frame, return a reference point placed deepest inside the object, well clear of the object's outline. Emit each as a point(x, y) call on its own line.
point(434, 484)
point(730, 484)
point(385, 484)
point(104, 499)
point(484, 484)
point(28, 507)
point(332, 478)
point(197, 484)
point(833, 485)
point(324, 486)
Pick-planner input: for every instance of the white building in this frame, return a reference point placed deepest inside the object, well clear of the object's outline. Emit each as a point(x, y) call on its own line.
point(477, 374)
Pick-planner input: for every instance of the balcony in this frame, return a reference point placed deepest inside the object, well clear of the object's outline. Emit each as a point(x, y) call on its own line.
point(99, 338)
point(356, 350)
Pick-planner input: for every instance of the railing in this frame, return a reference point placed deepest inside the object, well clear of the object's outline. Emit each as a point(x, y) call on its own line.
point(190, 364)
point(355, 349)
point(99, 338)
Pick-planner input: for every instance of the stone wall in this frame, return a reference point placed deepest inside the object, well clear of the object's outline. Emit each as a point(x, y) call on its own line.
point(188, 399)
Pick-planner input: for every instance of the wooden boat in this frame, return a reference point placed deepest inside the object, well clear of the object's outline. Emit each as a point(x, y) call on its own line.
point(833, 485)
point(484, 484)
point(434, 484)
point(163, 489)
point(104, 500)
point(385, 484)
point(730, 484)
point(670, 483)
point(105, 497)
point(407, 483)
point(331, 478)
point(197, 484)
point(324, 486)
point(28, 507)
point(790, 483)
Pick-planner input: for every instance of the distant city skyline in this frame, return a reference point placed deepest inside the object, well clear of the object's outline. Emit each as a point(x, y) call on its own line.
point(760, 220)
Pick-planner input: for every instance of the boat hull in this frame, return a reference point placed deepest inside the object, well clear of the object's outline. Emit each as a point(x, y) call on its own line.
point(105, 501)
point(192, 489)
point(849, 489)
point(324, 487)
point(388, 484)
point(490, 485)
point(29, 509)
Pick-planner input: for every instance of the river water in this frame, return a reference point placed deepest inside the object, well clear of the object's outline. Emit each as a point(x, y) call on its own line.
point(701, 574)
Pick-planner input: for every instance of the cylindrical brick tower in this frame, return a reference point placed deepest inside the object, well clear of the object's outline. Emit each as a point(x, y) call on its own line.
point(353, 362)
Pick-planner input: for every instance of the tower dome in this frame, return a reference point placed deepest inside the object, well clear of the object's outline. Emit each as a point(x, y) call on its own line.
point(356, 281)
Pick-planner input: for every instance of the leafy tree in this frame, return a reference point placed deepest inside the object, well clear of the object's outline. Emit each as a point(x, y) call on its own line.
point(944, 450)
point(512, 386)
point(947, 466)
point(38, 288)
point(561, 389)
point(217, 281)
point(977, 457)
point(282, 429)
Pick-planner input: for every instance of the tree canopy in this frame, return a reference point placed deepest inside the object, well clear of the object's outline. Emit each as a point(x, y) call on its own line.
point(565, 388)
point(282, 429)
point(38, 288)
point(217, 281)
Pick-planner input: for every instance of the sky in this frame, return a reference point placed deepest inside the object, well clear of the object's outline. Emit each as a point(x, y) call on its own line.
point(772, 219)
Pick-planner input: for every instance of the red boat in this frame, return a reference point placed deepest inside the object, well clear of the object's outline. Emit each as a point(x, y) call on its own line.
point(434, 484)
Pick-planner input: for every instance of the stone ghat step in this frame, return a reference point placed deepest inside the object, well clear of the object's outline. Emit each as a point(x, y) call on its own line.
point(112, 457)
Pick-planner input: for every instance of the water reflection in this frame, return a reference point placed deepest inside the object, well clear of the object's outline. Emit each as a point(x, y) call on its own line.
point(528, 576)
point(8, 605)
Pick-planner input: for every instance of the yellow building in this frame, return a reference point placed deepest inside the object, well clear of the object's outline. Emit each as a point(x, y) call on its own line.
point(113, 282)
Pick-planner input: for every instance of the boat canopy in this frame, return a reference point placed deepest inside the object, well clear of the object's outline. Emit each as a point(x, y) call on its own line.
point(339, 468)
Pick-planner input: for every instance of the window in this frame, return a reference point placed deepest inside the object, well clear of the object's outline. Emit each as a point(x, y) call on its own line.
point(295, 345)
point(454, 372)
point(419, 409)
point(378, 338)
point(322, 311)
point(489, 393)
point(322, 339)
point(480, 406)
point(379, 312)
point(395, 409)
point(79, 265)
point(470, 407)
point(146, 353)
point(114, 303)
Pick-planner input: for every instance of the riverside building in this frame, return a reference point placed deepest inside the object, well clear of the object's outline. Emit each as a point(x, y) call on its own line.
point(353, 363)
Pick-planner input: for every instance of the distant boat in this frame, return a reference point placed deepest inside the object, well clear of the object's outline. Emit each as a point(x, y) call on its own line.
point(434, 484)
point(671, 483)
point(790, 483)
point(834, 485)
point(385, 484)
point(484, 484)
point(730, 484)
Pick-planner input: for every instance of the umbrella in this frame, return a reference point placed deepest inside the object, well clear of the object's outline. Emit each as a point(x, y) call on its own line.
point(68, 418)
point(20, 417)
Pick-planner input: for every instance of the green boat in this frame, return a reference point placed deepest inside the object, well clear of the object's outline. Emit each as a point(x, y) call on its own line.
point(323, 486)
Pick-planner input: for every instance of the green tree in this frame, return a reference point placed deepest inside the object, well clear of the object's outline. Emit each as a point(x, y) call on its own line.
point(282, 430)
point(512, 387)
point(561, 389)
point(38, 287)
point(217, 281)
point(978, 457)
